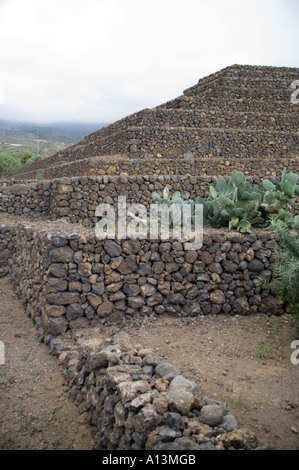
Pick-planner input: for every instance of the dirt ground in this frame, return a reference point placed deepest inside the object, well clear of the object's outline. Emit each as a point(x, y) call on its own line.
point(244, 361)
point(35, 412)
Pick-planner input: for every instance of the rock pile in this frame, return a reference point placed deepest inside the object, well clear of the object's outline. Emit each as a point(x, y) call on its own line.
point(136, 401)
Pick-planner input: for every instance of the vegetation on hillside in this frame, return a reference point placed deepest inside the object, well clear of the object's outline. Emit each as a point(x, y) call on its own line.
point(8, 164)
point(21, 140)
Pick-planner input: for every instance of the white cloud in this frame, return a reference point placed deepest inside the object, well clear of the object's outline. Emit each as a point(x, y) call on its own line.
point(99, 60)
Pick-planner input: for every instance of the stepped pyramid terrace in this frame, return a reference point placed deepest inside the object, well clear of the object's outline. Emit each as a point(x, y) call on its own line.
point(78, 288)
point(241, 117)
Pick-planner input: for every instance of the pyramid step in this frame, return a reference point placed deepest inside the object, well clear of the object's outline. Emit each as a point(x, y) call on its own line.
point(204, 165)
point(240, 111)
point(236, 104)
point(205, 117)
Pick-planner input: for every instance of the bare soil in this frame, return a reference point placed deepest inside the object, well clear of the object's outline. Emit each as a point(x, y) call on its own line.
point(244, 361)
point(35, 411)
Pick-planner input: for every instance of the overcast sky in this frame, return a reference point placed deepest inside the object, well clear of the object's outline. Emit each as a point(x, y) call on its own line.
point(100, 60)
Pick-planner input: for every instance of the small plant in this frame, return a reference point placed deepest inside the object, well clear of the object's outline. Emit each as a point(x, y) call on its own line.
point(234, 204)
point(279, 198)
point(261, 350)
point(36, 158)
point(39, 175)
point(57, 442)
point(247, 328)
point(234, 353)
point(89, 227)
point(176, 202)
point(54, 411)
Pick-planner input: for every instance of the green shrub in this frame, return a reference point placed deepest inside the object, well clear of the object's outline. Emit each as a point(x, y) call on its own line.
point(237, 204)
point(36, 158)
point(286, 268)
point(8, 164)
point(25, 158)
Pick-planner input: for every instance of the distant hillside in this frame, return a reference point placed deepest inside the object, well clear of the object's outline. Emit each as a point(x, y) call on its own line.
point(17, 138)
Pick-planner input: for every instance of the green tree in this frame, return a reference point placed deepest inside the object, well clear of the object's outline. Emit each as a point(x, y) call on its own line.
point(8, 164)
point(25, 158)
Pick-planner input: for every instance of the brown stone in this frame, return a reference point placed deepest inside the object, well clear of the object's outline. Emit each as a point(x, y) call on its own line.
point(105, 309)
point(63, 298)
point(161, 385)
point(63, 254)
point(146, 420)
point(55, 326)
point(131, 247)
point(55, 310)
point(212, 415)
point(217, 296)
point(74, 311)
point(56, 285)
point(19, 189)
point(164, 287)
point(94, 300)
point(206, 257)
point(114, 287)
point(112, 248)
point(128, 265)
point(191, 256)
point(240, 439)
point(147, 290)
point(57, 270)
point(5, 254)
point(84, 269)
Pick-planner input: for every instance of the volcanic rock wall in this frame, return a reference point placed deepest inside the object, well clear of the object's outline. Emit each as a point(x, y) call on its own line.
point(77, 198)
point(71, 283)
point(68, 278)
point(243, 113)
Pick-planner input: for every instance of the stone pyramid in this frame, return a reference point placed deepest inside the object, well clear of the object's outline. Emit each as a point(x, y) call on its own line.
point(242, 116)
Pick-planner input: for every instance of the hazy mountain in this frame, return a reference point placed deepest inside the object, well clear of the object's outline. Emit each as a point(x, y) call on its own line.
point(67, 132)
point(17, 138)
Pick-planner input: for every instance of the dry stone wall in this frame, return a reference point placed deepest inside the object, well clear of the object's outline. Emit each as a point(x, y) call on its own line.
point(71, 283)
point(243, 111)
point(188, 164)
point(25, 198)
point(136, 401)
point(69, 279)
point(177, 141)
point(77, 198)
